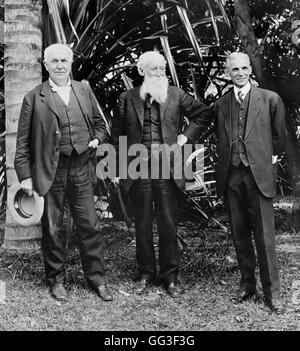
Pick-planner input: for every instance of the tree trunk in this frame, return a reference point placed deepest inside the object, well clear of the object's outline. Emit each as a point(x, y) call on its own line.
point(22, 67)
point(247, 36)
point(245, 31)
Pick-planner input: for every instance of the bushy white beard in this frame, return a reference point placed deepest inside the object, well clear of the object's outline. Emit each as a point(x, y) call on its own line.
point(157, 87)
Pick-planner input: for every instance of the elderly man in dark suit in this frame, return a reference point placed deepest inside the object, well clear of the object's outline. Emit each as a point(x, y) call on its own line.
point(150, 115)
point(59, 130)
point(251, 131)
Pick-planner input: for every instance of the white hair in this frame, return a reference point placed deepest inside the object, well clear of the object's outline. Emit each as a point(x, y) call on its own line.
point(234, 55)
point(146, 58)
point(56, 46)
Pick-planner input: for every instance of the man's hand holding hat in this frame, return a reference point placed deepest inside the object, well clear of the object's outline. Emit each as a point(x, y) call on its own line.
point(27, 185)
point(94, 143)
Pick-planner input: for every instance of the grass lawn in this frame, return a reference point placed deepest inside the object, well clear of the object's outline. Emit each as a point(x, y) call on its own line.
point(209, 275)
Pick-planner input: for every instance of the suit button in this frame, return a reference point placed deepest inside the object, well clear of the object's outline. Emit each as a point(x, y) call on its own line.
point(56, 132)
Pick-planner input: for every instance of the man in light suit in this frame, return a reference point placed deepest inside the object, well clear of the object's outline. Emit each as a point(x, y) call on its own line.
point(59, 130)
point(152, 114)
point(251, 133)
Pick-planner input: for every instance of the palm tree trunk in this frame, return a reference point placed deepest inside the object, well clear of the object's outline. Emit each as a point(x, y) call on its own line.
point(22, 69)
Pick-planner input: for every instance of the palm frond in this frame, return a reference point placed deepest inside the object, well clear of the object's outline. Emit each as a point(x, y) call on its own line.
point(193, 39)
point(94, 19)
point(54, 12)
point(222, 9)
point(212, 16)
point(67, 9)
point(165, 43)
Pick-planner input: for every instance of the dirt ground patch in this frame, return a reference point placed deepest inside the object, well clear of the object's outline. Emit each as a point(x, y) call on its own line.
point(209, 275)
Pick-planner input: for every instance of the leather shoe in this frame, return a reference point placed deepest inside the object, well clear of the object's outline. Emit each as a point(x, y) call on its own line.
point(105, 293)
point(140, 286)
point(174, 290)
point(273, 304)
point(245, 295)
point(59, 292)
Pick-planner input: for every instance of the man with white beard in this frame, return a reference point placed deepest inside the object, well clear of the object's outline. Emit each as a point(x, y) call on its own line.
point(153, 115)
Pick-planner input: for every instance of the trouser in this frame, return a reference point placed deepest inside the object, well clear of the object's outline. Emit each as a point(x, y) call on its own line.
point(249, 211)
point(72, 181)
point(163, 192)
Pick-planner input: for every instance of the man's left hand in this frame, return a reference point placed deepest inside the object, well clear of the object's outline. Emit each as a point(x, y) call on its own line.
point(181, 140)
point(94, 143)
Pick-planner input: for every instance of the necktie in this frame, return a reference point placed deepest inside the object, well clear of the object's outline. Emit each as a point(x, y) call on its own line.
point(148, 101)
point(240, 96)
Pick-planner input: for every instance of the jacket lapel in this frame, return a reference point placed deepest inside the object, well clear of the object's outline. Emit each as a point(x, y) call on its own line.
point(227, 113)
point(162, 107)
point(47, 98)
point(138, 104)
point(254, 107)
point(80, 95)
point(82, 98)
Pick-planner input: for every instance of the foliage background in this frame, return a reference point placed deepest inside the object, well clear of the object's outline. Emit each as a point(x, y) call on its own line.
point(209, 268)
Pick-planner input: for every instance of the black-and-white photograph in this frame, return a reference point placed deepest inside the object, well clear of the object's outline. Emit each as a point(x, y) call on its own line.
point(149, 168)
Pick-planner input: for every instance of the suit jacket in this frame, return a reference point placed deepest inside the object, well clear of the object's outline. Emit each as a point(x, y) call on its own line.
point(264, 136)
point(39, 135)
point(129, 118)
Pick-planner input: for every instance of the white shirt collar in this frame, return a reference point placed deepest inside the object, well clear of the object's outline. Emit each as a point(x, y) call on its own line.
point(245, 89)
point(56, 87)
point(63, 92)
